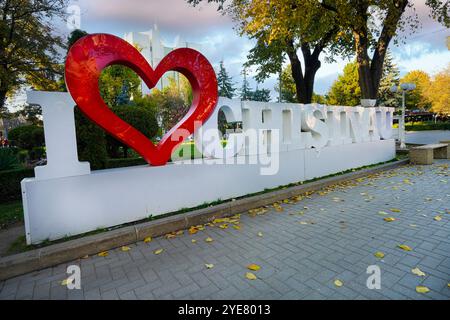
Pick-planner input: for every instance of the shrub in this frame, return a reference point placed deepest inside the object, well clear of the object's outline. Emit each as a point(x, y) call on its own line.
point(27, 137)
point(10, 183)
point(91, 141)
point(23, 156)
point(141, 118)
point(37, 153)
point(120, 163)
point(8, 158)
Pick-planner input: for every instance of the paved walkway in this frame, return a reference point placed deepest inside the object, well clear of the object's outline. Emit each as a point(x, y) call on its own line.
point(427, 137)
point(327, 236)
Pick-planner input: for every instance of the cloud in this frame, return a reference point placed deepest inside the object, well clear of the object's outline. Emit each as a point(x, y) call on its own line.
point(172, 16)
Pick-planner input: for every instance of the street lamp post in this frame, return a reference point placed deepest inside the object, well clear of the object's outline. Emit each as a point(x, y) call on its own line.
point(403, 88)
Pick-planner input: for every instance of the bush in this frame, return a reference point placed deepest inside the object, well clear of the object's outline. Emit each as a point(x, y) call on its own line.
point(8, 158)
point(27, 137)
point(120, 163)
point(141, 118)
point(91, 141)
point(23, 156)
point(10, 183)
point(37, 153)
point(429, 125)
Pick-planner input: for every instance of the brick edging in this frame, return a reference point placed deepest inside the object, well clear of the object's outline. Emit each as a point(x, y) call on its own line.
point(17, 264)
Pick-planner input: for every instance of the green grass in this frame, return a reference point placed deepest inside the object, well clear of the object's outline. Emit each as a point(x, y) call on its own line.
point(426, 125)
point(10, 213)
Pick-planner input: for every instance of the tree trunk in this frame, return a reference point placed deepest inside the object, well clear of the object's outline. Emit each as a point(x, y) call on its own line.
point(371, 71)
point(304, 83)
point(2, 100)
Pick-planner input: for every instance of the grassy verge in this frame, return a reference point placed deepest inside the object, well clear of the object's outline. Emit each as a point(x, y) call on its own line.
point(20, 244)
point(427, 125)
point(10, 212)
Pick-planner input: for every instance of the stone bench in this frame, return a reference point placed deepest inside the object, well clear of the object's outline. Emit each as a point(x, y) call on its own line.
point(426, 153)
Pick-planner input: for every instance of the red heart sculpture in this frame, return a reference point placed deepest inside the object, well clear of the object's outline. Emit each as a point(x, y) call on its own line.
point(91, 54)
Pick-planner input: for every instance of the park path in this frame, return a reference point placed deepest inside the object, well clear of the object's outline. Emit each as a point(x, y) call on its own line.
point(427, 137)
point(302, 247)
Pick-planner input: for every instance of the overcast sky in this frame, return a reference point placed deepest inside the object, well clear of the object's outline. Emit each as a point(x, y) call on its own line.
point(426, 49)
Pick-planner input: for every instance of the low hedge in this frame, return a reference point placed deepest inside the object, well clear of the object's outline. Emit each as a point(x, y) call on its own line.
point(123, 162)
point(422, 126)
point(10, 183)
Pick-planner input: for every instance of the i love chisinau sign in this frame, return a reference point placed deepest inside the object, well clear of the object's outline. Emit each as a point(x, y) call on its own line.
point(279, 144)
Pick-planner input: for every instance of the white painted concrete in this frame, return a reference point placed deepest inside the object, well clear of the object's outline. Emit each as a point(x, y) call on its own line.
point(291, 143)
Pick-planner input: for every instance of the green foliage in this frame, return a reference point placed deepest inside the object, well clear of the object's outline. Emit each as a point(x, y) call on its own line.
point(117, 81)
point(345, 91)
point(91, 141)
point(37, 153)
point(124, 162)
point(27, 137)
point(31, 113)
point(288, 90)
point(74, 36)
point(426, 126)
point(260, 95)
point(391, 77)
point(246, 93)
point(8, 159)
point(10, 212)
point(141, 118)
point(29, 45)
point(225, 83)
point(10, 183)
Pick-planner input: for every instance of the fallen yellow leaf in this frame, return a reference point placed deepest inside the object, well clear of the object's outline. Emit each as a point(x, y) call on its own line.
point(438, 218)
point(193, 230)
point(209, 239)
point(418, 272)
point(103, 254)
point(389, 219)
point(250, 276)
point(194, 241)
point(237, 227)
point(260, 234)
point(148, 239)
point(253, 267)
point(223, 226)
point(209, 265)
point(395, 210)
point(422, 289)
point(404, 247)
point(65, 282)
point(125, 248)
point(158, 251)
point(338, 283)
point(382, 213)
point(379, 254)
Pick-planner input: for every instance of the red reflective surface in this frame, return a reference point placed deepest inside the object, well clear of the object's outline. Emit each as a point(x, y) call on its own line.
point(91, 54)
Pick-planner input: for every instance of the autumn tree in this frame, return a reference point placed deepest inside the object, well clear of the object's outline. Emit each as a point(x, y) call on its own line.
point(29, 45)
point(373, 25)
point(282, 29)
point(417, 98)
point(225, 82)
point(438, 92)
point(345, 90)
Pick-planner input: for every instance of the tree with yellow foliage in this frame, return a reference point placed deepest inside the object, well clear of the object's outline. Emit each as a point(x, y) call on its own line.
point(439, 92)
point(417, 98)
